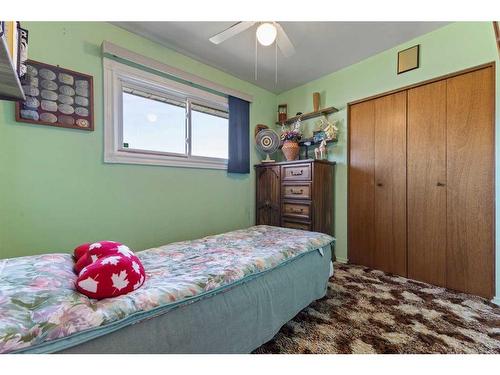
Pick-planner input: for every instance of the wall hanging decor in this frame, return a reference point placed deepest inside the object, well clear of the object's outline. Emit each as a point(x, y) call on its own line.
point(282, 113)
point(408, 59)
point(316, 100)
point(56, 97)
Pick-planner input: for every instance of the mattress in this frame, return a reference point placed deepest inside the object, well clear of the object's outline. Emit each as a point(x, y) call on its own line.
point(40, 311)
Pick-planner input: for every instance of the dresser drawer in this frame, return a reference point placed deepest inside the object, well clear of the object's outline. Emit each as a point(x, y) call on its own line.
point(300, 210)
point(295, 225)
point(297, 191)
point(296, 172)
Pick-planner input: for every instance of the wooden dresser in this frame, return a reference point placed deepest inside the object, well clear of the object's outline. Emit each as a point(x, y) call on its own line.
point(296, 194)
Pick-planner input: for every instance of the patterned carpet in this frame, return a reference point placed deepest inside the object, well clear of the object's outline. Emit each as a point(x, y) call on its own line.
point(368, 311)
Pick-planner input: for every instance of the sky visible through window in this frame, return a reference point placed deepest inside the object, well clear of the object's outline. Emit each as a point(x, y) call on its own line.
point(153, 125)
point(156, 126)
point(210, 135)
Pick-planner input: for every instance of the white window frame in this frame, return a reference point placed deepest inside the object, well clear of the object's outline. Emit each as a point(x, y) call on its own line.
point(118, 75)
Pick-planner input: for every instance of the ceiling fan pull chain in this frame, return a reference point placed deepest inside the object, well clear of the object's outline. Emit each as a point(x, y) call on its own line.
point(256, 57)
point(275, 64)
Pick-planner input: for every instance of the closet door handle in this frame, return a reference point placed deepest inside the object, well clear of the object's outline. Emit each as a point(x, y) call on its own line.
point(380, 184)
point(440, 184)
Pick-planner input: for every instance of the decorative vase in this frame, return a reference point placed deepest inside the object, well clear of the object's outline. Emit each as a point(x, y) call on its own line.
point(290, 150)
point(316, 98)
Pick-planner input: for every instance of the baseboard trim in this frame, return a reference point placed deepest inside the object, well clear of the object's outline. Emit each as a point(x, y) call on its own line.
point(496, 300)
point(341, 260)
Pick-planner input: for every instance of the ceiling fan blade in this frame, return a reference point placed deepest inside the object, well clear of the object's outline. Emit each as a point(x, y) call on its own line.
point(284, 43)
point(231, 31)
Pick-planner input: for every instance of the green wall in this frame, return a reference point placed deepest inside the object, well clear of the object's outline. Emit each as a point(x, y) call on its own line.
point(56, 191)
point(448, 49)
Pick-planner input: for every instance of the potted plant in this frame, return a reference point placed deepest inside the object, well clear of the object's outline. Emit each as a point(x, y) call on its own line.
point(291, 138)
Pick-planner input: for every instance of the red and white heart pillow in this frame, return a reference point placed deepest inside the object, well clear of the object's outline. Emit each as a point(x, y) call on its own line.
point(107, 269)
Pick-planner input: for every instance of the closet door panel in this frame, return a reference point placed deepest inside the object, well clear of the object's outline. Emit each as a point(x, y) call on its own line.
point(390, 183)
point(361, 183)
point(470, 174)
point(427, 183)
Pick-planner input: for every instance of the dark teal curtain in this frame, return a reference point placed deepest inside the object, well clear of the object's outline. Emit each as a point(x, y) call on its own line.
point(239, 136)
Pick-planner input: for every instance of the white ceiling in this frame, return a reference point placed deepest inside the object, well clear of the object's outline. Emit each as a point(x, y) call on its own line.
point(321, 47)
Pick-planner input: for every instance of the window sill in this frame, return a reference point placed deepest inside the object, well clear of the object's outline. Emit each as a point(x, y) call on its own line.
point(123, 157)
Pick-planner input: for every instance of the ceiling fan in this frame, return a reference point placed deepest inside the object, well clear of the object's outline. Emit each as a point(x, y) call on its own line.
point(266, 34)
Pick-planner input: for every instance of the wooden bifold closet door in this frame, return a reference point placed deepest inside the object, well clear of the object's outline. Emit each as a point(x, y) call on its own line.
point(361, 198)
point(421, 182)
point(470, 181)
point(377, 183)
point(390, 183)
point(427, 183)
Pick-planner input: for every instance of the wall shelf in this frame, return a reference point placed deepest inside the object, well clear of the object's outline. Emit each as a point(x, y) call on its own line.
point(10, 86)
point(309, 142)
point(310, 115)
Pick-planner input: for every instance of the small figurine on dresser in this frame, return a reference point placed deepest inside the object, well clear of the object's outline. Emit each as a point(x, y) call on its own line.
point(321, 152)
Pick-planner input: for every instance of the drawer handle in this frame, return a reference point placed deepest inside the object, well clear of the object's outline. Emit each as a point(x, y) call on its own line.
point(440, 184)
point(297, 192)
point(297, 173)
point(296, 210)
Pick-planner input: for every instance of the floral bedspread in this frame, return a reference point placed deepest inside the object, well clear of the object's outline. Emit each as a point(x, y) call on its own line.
point(39, 303)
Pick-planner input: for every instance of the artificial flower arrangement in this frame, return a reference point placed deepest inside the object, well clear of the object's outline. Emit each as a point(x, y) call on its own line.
point(293, 133)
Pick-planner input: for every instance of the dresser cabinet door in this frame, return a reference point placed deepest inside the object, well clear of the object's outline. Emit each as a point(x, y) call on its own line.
point(268, 196)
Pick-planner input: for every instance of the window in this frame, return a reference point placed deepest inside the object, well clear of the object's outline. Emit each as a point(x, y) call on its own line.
point(209, 129)
point(155, 120)
point(153, 125)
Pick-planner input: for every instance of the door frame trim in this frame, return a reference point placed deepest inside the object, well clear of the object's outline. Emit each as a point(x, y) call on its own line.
point(427, 81)
point(491, 64)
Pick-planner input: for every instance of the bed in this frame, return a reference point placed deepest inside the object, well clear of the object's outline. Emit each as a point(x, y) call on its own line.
point(227, 293)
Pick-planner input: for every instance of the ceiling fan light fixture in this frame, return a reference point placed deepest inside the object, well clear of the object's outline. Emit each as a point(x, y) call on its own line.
point(266, 33)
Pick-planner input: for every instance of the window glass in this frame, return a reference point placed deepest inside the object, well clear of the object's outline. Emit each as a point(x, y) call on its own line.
point(153, 123)
point(209, 132)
